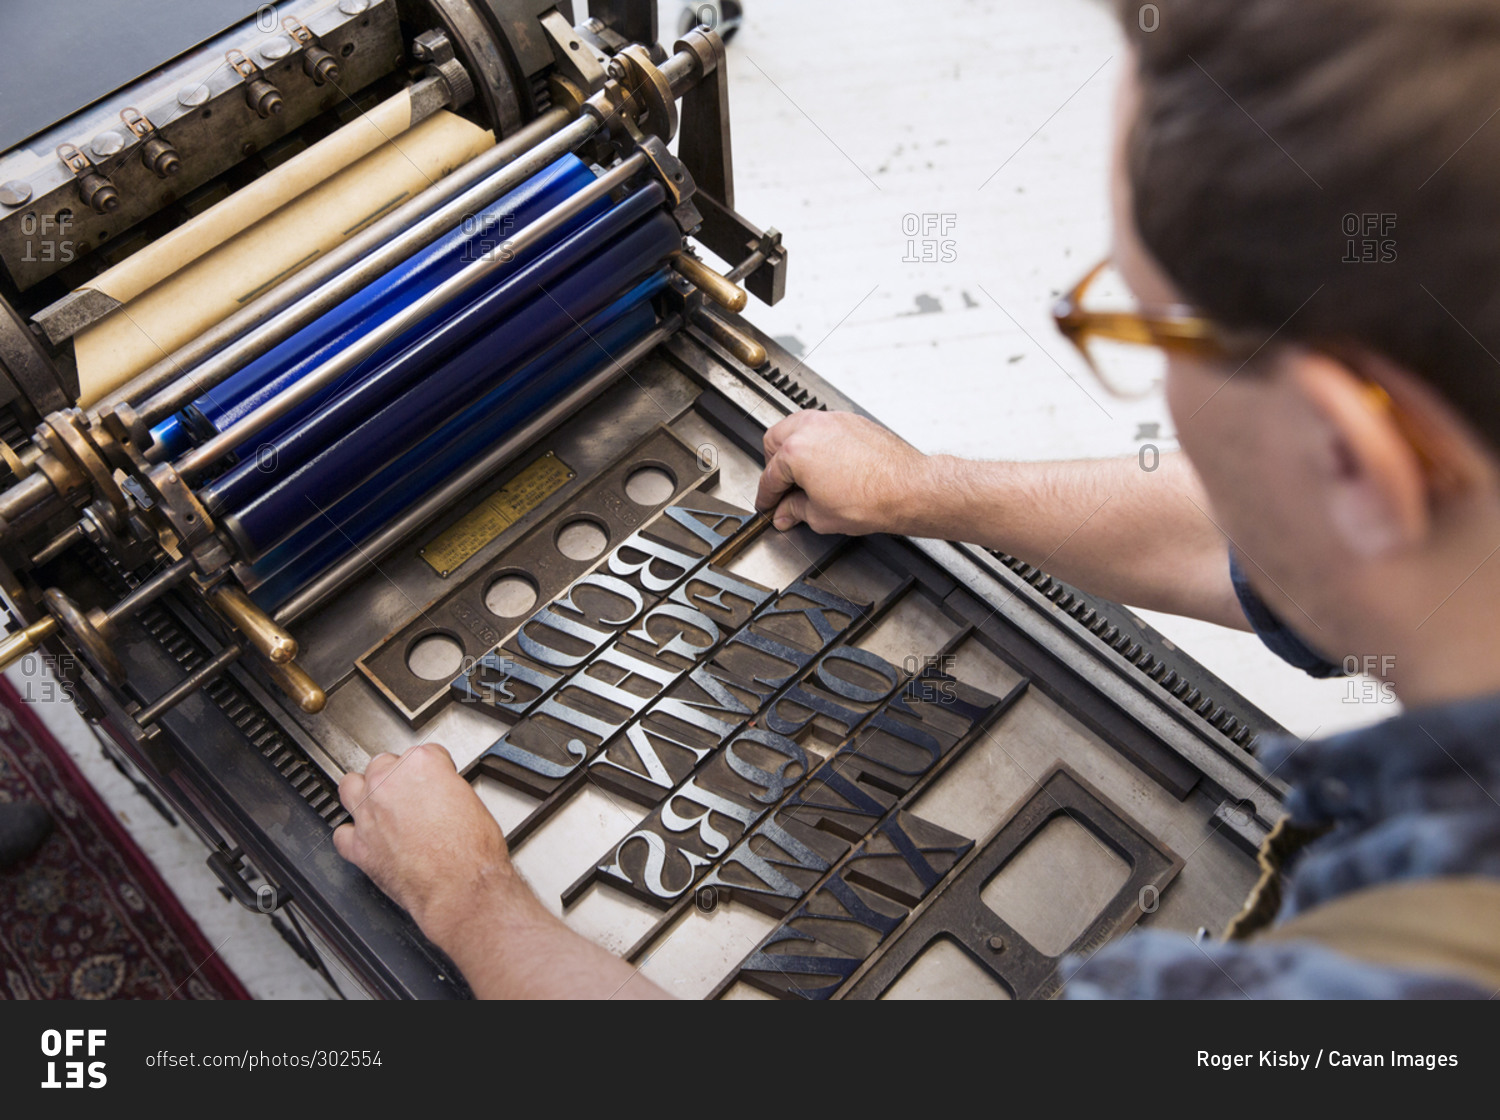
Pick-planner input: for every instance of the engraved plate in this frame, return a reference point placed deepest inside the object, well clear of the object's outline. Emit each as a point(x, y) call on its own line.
point(497, 513)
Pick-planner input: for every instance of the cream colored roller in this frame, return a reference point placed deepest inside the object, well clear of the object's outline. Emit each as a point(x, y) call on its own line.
point(169, 254)
point(213, 265)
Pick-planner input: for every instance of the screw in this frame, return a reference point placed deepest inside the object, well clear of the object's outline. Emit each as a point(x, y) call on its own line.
point(15, 192)
point(107, 143)
point(273, 50)
point(996, 944)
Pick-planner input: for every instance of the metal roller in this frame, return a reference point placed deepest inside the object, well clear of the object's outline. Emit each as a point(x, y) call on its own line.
point(262, 379)
point(191, 370)
point(357, 398)
point(317, 591)
point(340, 465)
point(200, 458)
point(520, 395)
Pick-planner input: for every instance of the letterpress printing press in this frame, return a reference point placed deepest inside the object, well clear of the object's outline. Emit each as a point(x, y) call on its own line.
point(373, 390)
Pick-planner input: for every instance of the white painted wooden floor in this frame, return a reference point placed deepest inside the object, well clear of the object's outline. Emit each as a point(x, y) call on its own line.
point(876, 136)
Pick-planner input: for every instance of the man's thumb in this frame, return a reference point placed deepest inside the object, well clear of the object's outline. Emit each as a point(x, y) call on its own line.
point(793, 509)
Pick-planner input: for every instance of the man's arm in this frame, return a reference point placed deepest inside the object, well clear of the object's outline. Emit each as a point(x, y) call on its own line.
point(1106, 526)
point(422, 834)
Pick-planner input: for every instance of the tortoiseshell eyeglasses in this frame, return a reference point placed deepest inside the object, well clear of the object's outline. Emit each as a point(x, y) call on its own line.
point(1169, 328)
point(1177, 328)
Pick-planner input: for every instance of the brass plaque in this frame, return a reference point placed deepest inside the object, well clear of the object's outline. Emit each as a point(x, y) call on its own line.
point(497, 513)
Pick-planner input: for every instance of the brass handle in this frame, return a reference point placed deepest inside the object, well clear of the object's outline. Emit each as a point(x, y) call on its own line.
point(294, 681)
point(725, 293)
point(746, 349)
point(270, 640)
point(741, 540)
point(18, 645)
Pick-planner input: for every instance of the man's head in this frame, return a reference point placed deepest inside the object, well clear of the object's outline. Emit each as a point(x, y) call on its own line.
point(1317, 177)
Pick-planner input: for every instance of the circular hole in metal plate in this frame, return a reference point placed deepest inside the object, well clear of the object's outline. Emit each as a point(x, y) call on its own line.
point(510, 596)
point(649, 486)
point(581, 540)
point(436, 657)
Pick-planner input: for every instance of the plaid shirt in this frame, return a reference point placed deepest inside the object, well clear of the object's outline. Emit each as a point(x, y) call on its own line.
point(1415, 797)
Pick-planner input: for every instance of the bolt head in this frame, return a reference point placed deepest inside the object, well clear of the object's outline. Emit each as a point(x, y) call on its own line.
point(15, 192)
point(107, 143)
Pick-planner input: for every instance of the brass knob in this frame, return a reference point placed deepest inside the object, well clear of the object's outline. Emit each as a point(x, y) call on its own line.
point(725, 293)
point(18, 645)
point(742, 346)
point(293, 680)
point(270, 640)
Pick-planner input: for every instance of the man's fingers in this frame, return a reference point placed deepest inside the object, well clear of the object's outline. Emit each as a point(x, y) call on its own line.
point(776, 434)
point(793, 509)
point(775, 481)
point(439, 754)
point(380, 767)
point(346, 842)
point(355, 788)
point(351, 790)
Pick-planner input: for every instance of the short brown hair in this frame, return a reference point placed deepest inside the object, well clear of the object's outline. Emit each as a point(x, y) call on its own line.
point(1280, 143)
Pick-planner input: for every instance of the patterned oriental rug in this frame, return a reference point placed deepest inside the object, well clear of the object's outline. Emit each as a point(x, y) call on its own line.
point(87, 916)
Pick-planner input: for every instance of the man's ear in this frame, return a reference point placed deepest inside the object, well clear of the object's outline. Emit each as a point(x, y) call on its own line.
point(1371, 478)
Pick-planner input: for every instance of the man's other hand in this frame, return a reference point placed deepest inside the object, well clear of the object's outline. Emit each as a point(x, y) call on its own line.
point(422, 834)
point(840, 473)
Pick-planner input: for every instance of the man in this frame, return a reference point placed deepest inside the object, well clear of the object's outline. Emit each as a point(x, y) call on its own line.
point(1338, 405)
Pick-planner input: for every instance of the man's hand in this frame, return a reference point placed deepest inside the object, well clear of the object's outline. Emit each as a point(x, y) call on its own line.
point(422, 834)
point(1104, 525)
point(840, 473)
point(424, 837)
